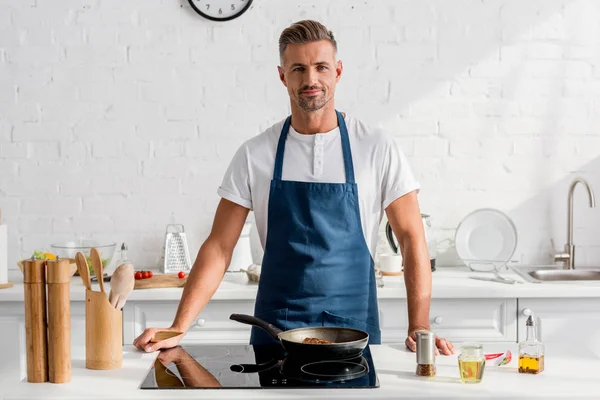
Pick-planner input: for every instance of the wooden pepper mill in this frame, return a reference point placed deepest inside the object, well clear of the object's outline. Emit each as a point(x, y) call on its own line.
point(59, 320)
point(34, 283)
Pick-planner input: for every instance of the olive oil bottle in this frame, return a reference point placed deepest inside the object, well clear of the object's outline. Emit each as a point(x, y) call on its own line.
point(531, 351)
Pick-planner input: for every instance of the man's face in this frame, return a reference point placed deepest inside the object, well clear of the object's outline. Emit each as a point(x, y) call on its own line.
point(310, 73)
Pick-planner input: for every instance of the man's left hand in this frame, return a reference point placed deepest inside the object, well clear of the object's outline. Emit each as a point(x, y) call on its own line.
point(442, 345)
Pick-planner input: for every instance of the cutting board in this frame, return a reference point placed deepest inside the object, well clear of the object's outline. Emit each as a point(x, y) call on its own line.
point(6, 285)
point(160, 281)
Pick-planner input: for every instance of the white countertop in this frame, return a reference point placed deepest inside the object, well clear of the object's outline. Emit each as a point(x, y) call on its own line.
point(448, 282)
point(570, 372)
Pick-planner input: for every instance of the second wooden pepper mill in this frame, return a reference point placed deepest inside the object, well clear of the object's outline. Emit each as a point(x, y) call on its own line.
point(59, 320)
point(34, 284)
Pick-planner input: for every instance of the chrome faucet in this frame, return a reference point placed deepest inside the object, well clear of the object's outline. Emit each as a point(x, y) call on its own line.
point(568, 257)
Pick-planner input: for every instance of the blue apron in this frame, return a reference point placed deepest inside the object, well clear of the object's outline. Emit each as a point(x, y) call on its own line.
point(317, 269)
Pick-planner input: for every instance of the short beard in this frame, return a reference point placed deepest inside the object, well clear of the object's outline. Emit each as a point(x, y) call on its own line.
point(312, 104)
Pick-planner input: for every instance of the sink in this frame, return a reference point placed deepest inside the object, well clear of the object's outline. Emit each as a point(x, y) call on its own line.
point(554, 274)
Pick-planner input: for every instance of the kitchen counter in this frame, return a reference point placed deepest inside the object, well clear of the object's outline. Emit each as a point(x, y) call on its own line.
point(570, 372)
point(448, 282)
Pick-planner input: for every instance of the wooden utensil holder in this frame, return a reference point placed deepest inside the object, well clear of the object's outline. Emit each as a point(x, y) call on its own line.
point(103, 332)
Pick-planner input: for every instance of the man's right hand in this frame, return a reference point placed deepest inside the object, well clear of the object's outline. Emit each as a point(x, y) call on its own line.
point(142, 342)
point(206, 274)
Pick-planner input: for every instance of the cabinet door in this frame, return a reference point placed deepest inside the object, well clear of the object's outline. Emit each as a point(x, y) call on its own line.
point(484, 320)
point(561, 320)
point(393, 320)
point(211, 326)
point(77, 327)
point(12, 346)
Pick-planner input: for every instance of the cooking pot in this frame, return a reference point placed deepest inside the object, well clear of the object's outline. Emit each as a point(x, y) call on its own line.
point(429, 238)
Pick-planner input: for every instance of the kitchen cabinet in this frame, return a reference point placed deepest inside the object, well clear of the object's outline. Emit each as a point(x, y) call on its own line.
point(12, 346)
point(483, 320)
point(456, 319)
point(212, 325)
point(560, 319)
point(12, 325)
point(393, 320)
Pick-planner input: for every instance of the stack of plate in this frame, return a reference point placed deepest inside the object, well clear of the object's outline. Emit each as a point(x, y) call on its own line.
point(486, 240)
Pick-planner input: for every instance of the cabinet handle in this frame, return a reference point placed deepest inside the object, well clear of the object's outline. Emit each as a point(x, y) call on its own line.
point(200, 322)
point(438, 320)
point(527, 312)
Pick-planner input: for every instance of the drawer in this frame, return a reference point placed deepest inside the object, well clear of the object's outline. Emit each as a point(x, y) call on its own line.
point(556, 319)
point(212, 325)
point(481, 320)
point(456, 319)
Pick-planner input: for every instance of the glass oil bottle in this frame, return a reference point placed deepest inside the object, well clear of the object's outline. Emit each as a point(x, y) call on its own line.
point(531, 351)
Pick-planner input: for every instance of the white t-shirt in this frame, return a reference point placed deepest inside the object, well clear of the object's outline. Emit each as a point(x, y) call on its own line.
point(381, 170)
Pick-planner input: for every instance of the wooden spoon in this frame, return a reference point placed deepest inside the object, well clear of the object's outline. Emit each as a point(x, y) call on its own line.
point(164, 335)
point(121, 285)
point(84, 270)
point(97, 265)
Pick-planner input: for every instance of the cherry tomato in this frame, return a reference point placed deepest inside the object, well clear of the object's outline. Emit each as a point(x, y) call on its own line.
point(181, 274)
point(149, 274)
point(138, 275)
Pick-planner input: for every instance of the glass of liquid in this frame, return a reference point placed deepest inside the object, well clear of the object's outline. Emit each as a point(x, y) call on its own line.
point(471, 362)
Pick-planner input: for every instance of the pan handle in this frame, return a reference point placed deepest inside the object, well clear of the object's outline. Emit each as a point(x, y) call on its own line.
point(249, 320)
point(253, 368)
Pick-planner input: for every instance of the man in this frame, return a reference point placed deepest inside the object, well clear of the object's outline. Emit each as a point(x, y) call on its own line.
point(318, 183)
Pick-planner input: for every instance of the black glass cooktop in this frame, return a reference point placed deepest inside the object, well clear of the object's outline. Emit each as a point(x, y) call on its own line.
point(246, 367)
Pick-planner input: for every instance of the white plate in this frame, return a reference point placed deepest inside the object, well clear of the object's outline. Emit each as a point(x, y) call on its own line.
point(486, 239)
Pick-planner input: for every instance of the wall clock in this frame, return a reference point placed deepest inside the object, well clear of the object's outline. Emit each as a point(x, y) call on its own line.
point(220, 10)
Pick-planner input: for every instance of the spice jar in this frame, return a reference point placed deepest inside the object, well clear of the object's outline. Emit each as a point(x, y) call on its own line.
point(425, 353)
point(471, 362)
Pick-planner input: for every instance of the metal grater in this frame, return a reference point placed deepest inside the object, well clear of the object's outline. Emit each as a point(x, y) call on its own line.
point(175, 256)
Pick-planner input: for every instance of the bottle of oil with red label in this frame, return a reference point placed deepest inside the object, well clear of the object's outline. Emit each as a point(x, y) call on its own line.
point(531, 351)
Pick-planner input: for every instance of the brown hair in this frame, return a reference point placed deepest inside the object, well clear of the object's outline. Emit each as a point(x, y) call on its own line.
point(305, 31)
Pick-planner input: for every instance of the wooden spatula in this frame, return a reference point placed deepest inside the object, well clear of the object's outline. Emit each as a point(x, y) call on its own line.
point(165, 379)
point(122, 282)
point(84, 270)
point(97, 265)
point(164, 335)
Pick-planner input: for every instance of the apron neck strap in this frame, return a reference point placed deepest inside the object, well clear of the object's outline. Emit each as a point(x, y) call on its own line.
point(348, 164)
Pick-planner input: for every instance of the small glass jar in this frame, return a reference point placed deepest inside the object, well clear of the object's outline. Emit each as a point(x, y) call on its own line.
point(471, 362)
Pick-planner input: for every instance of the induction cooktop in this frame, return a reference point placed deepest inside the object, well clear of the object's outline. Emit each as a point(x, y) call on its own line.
point(258, 367)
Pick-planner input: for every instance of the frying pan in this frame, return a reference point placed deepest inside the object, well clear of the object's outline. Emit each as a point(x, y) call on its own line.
point(347, 342)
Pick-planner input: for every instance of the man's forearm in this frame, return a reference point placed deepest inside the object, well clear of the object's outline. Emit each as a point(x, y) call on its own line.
point(417, 278)
point(203, 281)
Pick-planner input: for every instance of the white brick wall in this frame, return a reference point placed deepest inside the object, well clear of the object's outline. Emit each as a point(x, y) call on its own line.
point(115, 114)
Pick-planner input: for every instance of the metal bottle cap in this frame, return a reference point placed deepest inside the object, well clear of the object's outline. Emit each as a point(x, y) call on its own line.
point(425, 347)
